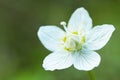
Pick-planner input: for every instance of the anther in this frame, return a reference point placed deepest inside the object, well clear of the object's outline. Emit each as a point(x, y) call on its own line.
point(63, 23)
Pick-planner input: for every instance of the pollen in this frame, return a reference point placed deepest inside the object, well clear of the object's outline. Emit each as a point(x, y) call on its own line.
point(64, 39)
point(68, 49)
point(76, 33)
point(82, 40)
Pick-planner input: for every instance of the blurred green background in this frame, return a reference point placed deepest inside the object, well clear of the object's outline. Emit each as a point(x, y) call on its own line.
point(21, 53)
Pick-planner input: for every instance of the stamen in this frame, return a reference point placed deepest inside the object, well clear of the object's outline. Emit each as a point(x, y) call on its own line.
point(64, 25)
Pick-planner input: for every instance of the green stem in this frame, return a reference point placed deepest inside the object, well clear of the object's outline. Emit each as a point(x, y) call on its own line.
point(91, 75)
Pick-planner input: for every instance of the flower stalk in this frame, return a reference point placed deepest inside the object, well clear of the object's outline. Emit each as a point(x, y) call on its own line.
point(91, 75)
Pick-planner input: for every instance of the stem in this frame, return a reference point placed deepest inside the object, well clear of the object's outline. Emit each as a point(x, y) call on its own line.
point(91, 75)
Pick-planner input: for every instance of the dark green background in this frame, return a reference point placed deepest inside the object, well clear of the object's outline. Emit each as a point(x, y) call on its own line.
point(21, 53)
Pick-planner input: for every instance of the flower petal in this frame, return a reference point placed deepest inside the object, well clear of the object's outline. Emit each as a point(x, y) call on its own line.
point(50, 36)
point(80, 19)
point(57, 60)
point(99, 36)
point(86, 60)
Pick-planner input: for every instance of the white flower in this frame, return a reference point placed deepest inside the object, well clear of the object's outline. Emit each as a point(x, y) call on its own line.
point(74, 46)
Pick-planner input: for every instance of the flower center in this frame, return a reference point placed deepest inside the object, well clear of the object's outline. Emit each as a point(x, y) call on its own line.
point(73, 41)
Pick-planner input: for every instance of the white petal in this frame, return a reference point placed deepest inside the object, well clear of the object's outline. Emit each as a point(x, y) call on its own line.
point(80, 19)
point(50, 36)
point(57, 60)
point(99, 36)
point(86, 60)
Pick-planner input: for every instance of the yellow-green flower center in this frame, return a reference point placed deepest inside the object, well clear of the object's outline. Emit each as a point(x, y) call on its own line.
point(73, 43)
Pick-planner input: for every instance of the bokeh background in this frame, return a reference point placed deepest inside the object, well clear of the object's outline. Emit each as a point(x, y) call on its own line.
point(21, 53)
